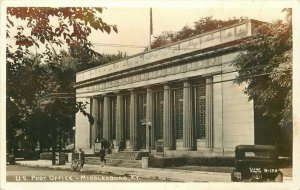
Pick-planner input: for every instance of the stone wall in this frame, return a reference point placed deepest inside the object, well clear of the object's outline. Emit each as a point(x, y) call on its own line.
point(238, 114)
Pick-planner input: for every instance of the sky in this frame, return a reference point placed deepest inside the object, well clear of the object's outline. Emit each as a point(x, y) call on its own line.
point(133, 23)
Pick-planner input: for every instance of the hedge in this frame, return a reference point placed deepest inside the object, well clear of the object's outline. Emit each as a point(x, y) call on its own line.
point(203, 161)
point(211, 161)
point(166, 162)
point(48, 156)
point(193, 161)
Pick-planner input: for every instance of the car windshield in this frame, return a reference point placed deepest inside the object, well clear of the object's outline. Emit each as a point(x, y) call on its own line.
point(260, 154)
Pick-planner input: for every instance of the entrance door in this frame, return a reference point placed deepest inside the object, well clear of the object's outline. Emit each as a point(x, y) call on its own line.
point(142, 135)
point(142, 103)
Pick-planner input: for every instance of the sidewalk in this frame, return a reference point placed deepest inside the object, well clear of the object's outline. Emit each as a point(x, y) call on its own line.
point(161, 174)
point(147, 173)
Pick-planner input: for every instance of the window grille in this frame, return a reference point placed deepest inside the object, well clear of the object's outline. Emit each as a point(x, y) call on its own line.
point(141, 112)
point(199, 108)
point(127, 116)
point(158, 113)
point(142, 104)
point(113, 117)
point(100, 121)
point(178, 112)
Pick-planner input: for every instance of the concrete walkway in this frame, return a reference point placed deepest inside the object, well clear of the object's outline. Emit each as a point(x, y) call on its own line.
point(147, 173)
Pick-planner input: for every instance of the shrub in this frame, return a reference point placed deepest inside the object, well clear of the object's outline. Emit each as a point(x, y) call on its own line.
point(46, 156)
point(193, 161)
point(211, 161)
point(166, 162)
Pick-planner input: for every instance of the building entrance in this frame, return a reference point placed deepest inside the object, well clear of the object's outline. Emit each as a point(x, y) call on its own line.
point(142, 136)
point(142, 105)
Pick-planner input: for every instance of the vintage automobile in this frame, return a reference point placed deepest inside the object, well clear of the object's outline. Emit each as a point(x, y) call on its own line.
point(256, 163)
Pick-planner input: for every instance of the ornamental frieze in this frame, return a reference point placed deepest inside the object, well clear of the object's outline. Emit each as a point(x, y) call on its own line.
point(209, 39)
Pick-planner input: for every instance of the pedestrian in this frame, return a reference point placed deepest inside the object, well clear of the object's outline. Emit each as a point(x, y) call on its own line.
point(103, 143)
point(82, 158)
point(122, 145)
point(102, 156)
point(110, 147)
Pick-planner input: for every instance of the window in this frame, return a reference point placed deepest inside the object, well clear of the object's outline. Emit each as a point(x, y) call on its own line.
point(158, 113)
point(127, 116)
point(141, 115)
point(113, 117)
point(100, 121)
point(178, 112)
point(199, 108)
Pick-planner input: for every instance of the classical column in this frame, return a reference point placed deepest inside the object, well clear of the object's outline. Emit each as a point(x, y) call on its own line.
point(106, 118)
point(120, 119)
point(168, 130)
point(150, 133)
point(188, 128)
point(133, 120)
point(209, 112)
point(95, 114)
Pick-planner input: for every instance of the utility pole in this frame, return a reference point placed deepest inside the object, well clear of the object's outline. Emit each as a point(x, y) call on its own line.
point(151, 27)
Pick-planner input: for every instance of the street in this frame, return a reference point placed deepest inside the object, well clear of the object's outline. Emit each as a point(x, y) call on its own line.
point(44, 171)
point(17, 173)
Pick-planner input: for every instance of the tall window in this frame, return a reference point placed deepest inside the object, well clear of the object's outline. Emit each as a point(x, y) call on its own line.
point(158, 113)
point(113, 117)
point(141, 114)
point(100, 121)
point(199, 106)
point(127, 116)
point(178, 111)
point(142, 103)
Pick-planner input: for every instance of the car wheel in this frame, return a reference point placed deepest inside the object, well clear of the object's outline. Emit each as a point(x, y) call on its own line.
point(78, 167)
point(73, 165)
point(233, 178)
point(279, 177)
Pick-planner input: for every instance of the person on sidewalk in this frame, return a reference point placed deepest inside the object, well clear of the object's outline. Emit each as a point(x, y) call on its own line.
point(103, 143)
point(82, 158)
point(102, 156)
point(110, 147)
point(122, 145)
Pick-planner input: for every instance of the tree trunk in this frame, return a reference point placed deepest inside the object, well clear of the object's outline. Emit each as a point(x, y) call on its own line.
point(53, 145)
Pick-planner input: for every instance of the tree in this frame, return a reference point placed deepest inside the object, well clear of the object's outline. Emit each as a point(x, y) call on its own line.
point(31, 78)
point(52, 25)
point(164, 38)
point(264, 63)
point(201, 26)
point(85, 61)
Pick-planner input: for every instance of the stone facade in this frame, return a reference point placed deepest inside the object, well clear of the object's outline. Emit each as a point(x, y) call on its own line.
point(180, 96)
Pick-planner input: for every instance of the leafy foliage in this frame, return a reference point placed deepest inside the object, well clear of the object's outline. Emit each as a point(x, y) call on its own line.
point(70, 25)
point(265, 64)
point(201, 26)
point(85, 61)
point(40, 98)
